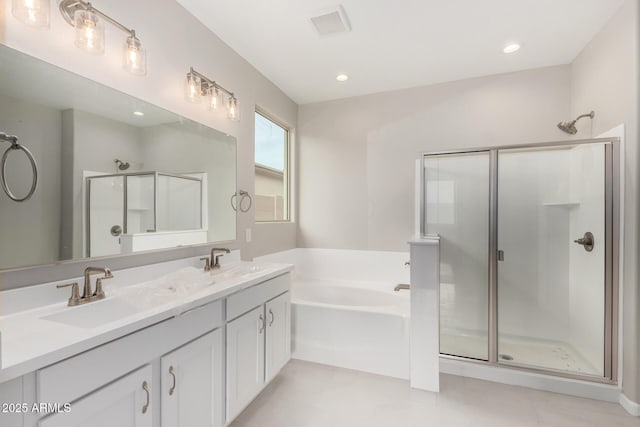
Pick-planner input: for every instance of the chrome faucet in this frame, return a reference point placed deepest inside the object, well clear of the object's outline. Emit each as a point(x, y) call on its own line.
point(215, 259)
point(401, 286)
point(87, 294)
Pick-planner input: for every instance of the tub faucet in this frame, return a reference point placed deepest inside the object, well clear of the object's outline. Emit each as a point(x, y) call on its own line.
point(215, 259)
point(401, 286)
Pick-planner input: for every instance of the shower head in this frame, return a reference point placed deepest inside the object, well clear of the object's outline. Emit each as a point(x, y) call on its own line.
point(570, 127)
point(120, 165)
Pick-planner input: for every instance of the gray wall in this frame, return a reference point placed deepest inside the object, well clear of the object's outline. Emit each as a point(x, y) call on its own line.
point(604, 78)
point(36, 238)
point(356, 156)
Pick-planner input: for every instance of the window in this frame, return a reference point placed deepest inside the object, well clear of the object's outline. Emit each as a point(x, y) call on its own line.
point(272, 170)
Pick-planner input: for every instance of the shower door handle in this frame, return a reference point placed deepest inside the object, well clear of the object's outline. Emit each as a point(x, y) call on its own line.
point(587, 241)
point(500, 255)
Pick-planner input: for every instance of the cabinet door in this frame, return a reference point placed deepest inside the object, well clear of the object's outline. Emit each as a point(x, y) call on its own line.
point(192, 384)
point(123, 403)
point(278, 340)
point(245, 360)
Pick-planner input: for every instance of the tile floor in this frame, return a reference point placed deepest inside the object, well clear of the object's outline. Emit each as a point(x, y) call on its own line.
point(311, 395)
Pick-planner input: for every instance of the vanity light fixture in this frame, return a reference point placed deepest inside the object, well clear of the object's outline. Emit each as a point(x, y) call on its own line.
point(342, 77)
point(198, 86)
point(90, 34)
point(34, 13)
point(138, 113)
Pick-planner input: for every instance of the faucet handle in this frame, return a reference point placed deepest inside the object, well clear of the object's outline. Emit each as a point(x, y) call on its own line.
point(207, 263)
point(75, 293)
point(216, 263)
point(99, 293)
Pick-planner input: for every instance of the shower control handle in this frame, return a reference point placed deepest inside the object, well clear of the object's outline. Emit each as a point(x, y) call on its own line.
point(116, 230)
point(586, 241)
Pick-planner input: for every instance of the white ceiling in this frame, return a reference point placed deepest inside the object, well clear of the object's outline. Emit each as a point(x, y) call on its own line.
point(402, 43)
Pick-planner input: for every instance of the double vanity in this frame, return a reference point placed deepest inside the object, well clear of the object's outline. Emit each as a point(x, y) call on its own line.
point(187, 348)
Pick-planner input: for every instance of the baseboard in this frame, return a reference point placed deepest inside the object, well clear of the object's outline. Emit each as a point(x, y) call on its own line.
point(632, 407)
point(606, 392)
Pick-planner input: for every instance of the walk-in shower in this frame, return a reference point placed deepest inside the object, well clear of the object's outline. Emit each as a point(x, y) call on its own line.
point(528, 254)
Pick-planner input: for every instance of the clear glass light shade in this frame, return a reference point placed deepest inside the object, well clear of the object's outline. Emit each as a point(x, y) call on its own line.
point(135, 57)
point(89, 32)
point(233, 112)
point(34, 13)
point(192, 88)
point(215, 99)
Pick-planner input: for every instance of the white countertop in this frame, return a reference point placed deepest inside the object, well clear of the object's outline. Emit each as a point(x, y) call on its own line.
point(29, 342)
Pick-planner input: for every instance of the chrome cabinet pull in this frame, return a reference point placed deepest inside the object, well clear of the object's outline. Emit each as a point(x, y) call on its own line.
point(173, 387)
point(272, 317)
point(145, 387)
point(261, 328)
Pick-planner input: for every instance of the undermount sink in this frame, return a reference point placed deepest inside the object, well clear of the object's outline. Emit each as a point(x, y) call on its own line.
point(94, 314)
point(238, 271)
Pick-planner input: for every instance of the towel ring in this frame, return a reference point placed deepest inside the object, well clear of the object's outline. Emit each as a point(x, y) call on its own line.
point(243, 195)
point(13, 140)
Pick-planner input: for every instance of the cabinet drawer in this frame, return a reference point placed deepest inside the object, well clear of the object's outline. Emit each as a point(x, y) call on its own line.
point(245, 300)
point(101, 365)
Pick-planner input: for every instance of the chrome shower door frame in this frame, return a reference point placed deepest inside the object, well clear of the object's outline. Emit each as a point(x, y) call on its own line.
point(612, 254)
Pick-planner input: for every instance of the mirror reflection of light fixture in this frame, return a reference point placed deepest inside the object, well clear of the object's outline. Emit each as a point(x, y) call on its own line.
point(90, 34)
point(198, 85)
point(34, 13)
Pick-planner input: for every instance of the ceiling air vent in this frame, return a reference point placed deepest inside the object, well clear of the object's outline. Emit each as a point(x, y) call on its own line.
point(331, 21)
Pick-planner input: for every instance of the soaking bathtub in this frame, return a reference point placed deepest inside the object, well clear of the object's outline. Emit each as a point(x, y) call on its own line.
point(345, 312)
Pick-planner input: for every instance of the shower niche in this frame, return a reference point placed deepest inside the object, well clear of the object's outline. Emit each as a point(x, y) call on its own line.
point(138, 211)
point(529, 247)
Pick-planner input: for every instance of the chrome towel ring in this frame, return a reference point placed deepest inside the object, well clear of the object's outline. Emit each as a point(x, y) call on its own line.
point(243, 195)
point(13, 140)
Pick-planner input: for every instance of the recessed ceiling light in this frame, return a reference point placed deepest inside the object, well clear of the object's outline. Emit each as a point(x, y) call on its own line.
point(342, 77)
point(511, 48)
point(138, 113)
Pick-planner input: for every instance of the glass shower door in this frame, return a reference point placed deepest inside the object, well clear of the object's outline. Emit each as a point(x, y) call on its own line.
point(456, 195)
point(551, 258)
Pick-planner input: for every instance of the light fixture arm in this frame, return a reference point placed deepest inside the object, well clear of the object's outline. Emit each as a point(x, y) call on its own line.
point(69, 7)
point(207, 83)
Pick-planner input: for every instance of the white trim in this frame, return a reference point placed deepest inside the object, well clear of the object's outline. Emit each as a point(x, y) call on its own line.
point(573, 387)
point(632, 407)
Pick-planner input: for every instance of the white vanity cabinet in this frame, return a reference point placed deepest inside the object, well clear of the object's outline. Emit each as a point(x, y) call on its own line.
point(123, 403)
point(177, 372)
point(258, 340)
point(278, 334)
point(245, 360)
point(192, 383)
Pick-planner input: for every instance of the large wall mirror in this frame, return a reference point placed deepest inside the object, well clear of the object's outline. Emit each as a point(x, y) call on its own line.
point(115, 175)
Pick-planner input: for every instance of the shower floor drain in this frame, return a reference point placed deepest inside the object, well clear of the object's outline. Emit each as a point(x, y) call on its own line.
point(505, 357)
